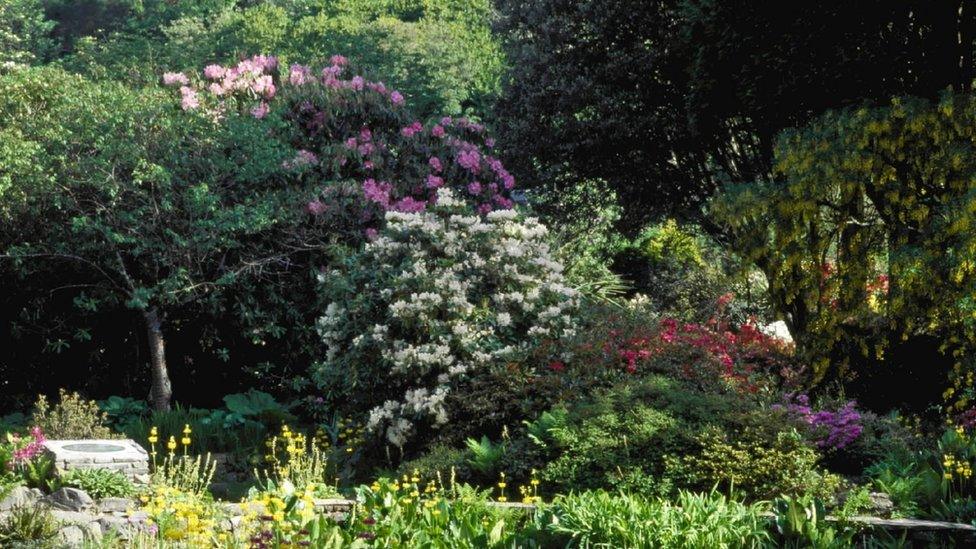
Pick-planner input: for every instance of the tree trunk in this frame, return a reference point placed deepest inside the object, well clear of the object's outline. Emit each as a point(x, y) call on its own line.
point(161, 390)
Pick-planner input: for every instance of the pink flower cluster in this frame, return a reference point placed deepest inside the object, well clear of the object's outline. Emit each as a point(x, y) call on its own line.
point(25, 452)
point(378, 153)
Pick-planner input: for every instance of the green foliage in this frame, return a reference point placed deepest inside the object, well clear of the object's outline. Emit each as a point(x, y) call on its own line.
point(29, 526)
point(583, 218)
point(801, 522)
point(72, 417)
point(39, 473)
point(936, 482)
point(123, 410)
point(599, 519)
point(656, 435)
point(98, 483)
point(211, 430)
point(25, 33)
point(441, 54)
point(486, 456)
point(759, 464)
point(255, 405)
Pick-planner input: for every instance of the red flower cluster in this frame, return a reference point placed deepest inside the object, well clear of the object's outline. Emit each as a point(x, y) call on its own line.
point(742, 357)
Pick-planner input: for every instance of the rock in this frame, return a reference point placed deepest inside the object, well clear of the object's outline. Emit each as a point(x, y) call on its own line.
point(778, 330)
point(77, 518)
point(69, 499)
point(125, 528)
point(881, 504)
point(75, 535)
point(20, 496)
point(115, 505)
point(71, 535)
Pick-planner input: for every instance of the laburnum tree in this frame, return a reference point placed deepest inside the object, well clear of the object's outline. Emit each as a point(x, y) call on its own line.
point(867, 239)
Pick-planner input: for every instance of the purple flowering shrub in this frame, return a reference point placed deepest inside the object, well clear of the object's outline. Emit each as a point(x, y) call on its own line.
point(355, 136)
point(830, 429)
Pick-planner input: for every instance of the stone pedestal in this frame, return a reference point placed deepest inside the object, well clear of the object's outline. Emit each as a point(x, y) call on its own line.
point(124, 456)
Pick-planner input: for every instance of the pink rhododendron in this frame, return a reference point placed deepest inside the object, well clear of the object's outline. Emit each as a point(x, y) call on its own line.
point(189, 99)
point(437, 131)
point(175, 78)
point(435, 164)
point(214, 72)
point(396, 98)
point(338, 60)
point(261, 110)
point(299, 74)
point(434, 181)
point(315, 207)
point(474, 187)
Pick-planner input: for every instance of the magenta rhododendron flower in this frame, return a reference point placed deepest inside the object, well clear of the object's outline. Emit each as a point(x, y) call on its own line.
point(434, 181)
point(437, 131)
point(435, 164)
point(470, 160)
point(474, 187)
point(409, 205)
point(377, 192)
point(412, 129)
point(396, 98)
point(338, 60)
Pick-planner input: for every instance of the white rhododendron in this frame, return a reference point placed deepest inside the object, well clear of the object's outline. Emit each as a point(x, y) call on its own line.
point(438, 296)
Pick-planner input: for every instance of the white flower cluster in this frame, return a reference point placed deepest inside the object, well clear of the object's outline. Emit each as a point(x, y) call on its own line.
point(439, 296)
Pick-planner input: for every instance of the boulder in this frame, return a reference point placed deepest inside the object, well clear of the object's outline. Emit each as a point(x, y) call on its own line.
point(69, 499)
point(116, 505)
point(20, 496)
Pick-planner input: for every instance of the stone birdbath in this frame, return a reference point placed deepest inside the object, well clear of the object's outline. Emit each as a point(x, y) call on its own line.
point(122, 455)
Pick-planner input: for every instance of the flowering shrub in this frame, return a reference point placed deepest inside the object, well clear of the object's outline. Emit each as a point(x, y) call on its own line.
point(22, 449)
point(832, 429)
point(713, 354)
point(344, 128)
point(438, 296)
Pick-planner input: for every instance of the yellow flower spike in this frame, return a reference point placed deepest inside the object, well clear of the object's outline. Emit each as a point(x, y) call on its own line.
point(171, 445)
point(186, 429)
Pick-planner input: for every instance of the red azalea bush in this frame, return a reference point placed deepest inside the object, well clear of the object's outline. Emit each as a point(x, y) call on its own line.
point(713, 354)
point(355, 136)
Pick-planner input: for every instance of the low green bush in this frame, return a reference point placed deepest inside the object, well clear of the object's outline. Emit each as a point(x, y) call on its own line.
point(758, 463)
point(98, 483)
point(73, 417)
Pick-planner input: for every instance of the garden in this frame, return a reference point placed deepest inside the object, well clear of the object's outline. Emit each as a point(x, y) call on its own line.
point(487, 273)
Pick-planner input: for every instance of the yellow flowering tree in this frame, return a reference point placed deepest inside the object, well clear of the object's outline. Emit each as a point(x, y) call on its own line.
point(867, 239)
